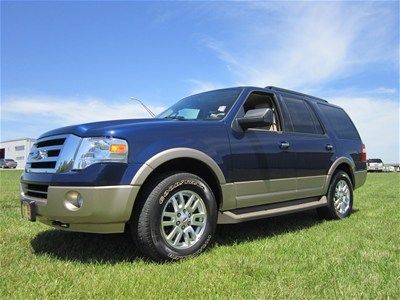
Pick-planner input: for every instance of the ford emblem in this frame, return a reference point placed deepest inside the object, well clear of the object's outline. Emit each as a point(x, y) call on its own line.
point(38, 154)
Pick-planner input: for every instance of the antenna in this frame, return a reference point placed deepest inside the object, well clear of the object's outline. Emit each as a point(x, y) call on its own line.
point(144, 106)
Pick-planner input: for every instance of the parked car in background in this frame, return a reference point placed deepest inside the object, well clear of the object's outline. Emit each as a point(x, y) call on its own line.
point(390, 169)
point(224, 156)
point(375, 165)
point(8, 163)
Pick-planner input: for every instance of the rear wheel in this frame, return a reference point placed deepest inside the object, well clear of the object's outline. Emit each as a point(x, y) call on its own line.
point(339, 196)
point(175, 218)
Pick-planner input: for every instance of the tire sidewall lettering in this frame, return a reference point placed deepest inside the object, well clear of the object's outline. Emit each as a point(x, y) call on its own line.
point(174, 186)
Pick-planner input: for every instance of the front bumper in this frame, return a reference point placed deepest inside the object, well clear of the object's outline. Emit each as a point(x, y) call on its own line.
point(105, 209)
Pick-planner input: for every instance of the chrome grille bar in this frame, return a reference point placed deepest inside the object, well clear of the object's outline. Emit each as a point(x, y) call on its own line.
point(46, 159)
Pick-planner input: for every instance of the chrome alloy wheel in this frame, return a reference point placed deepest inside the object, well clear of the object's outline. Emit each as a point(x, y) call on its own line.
point(183, 219)
point(342, 196)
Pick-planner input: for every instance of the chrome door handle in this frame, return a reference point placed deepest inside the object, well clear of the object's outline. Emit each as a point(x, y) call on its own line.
point(329, 147)
point(284, 145)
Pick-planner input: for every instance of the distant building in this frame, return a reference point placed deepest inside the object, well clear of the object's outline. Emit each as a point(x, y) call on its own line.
point(17, 150)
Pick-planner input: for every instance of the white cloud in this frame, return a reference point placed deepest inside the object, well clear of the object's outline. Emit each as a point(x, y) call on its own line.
point(221, 53)
point(45, 113)
point(197, 86)
point(72, 111)
point(313, 43)
point(384, 90)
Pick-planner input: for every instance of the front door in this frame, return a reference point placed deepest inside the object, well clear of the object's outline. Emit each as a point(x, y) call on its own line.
point(263, 164)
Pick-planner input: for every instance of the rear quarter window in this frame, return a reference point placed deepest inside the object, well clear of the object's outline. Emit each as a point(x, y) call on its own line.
point(340, 122)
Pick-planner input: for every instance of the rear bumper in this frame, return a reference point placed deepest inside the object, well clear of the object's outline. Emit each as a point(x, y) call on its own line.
point(105, 209)
point(359, 178)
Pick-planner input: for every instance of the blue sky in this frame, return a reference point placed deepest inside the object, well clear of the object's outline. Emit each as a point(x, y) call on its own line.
point(70, 62)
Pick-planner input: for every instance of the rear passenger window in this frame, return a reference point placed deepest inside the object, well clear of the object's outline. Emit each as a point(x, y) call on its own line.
point(303, 118)
point(341, 122)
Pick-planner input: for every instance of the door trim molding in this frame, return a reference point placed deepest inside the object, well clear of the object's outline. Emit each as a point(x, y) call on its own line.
point(259, 192)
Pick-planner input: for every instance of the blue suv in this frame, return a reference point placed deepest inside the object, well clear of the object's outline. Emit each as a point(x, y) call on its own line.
point(224, 156)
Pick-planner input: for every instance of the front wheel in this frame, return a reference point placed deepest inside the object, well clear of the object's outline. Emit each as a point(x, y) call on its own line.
point(175, 218)
point(339, 196)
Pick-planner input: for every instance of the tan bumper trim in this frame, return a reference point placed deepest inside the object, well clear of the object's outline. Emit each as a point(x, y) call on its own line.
point(102, 205)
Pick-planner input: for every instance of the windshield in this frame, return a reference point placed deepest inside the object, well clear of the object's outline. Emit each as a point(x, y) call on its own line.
point(208, 106)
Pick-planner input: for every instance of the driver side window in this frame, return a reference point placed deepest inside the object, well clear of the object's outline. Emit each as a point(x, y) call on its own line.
point(260, 100)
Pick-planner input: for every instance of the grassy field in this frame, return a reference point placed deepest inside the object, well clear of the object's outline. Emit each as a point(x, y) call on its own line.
point(295, 256)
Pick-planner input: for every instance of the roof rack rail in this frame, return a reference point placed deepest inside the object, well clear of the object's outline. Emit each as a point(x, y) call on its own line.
point(294, 92)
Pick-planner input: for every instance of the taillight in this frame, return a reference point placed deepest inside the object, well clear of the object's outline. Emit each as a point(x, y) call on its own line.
point(363, 153)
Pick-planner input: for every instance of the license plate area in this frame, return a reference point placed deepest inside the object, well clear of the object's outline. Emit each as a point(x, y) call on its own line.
point(28, 210)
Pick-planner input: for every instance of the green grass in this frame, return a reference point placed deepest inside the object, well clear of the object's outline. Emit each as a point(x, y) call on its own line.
point(295, 256)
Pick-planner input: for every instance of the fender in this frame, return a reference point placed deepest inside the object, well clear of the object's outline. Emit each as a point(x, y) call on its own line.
point(170, 154)
point(334, 166)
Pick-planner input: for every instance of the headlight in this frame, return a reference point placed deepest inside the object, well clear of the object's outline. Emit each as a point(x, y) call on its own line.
point(94, 150)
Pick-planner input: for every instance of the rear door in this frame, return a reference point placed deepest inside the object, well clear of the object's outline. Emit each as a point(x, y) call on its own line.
point(314, 149)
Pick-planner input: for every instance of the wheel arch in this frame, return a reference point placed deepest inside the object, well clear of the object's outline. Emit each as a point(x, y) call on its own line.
point(185, 160)
point(344, 164)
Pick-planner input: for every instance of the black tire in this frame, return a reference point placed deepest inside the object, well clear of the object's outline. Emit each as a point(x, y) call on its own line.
point(329, 212)
point(146, 218)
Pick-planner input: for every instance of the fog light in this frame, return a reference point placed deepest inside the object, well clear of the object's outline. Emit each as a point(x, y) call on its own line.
point(73, 200)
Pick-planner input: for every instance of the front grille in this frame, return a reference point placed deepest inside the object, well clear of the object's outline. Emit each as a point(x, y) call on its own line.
point(45, 154)
point(54, 154)
point(43, 165)
point(47, 143)
point(35, 190)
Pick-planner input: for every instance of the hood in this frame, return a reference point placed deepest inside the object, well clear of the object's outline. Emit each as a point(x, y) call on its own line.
point(104, 128)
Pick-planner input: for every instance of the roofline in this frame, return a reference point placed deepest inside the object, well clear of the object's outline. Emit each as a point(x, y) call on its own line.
point(274, 88)
point(20, 139)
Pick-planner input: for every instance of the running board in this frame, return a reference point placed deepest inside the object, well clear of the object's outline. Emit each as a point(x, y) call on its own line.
point(266, 211)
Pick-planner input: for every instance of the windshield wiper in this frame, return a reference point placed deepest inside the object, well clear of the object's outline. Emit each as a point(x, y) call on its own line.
point(176, 118)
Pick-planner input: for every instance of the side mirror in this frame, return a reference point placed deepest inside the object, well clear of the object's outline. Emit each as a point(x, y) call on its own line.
point(259, 117)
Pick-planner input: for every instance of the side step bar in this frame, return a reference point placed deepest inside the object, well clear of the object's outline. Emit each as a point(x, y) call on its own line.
point(266, 211)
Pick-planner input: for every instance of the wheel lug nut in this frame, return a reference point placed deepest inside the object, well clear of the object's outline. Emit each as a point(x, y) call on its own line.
point(179, 214)
point(183, 226)
point(177, 223)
